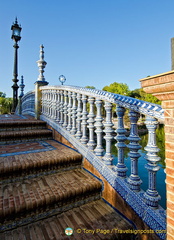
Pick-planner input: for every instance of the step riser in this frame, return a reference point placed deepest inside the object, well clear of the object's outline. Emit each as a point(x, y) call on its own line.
point(45, 204)
point(20, 126)
point(25, 139)
point(34, 217)
point(25, 136)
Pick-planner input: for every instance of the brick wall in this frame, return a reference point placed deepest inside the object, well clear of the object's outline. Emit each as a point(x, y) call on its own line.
point(162, 86)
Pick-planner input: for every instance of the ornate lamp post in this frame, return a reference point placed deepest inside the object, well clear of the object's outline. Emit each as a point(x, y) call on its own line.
point(16, 30)
point(62, 79)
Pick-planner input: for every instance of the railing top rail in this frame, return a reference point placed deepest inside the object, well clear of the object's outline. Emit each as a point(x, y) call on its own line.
point(28, 93)
point(146, 108)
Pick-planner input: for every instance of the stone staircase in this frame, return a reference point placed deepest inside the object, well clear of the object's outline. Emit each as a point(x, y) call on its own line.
point(44, 189)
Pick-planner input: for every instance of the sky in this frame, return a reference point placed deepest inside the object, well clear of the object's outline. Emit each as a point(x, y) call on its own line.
point(90, 42)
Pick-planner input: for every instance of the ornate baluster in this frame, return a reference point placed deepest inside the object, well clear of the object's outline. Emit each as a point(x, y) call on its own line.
point(151, 195)
point(98, 124)
point(74, 129)
point(108, 131)
point(65, 109)
point(46, 103)
point(91, 143)
point(53, 105)
point(49, 104)
point(69, 111)
point(57, 106)
point(120, 168)
point(79, 115)
point(134, 180)
point(61, 107)
point(43, 102)
point(84, 138)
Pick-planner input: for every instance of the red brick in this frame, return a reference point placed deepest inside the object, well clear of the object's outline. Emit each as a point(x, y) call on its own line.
point(169, 236)
point(168, 104)
point(170, 171)
point(170, 222)
point(170, 213)
point(169, 145)
point(170, 154)
point(170, 179)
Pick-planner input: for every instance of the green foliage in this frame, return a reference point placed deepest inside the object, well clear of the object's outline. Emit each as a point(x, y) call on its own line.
point(2, 94)
point(118, 88)
point(92, 87)
point(139, 93)
point(5, 104)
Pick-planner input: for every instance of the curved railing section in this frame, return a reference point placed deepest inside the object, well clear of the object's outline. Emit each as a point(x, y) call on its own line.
point(84, 117)
point(28, 103)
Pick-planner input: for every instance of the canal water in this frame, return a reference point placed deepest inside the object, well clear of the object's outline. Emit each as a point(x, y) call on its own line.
point(143, 173)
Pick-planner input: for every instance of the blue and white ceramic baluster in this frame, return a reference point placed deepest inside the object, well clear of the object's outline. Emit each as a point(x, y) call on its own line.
point(91, 143)
point(84, 138)
point(46, 103)
point(120, 168)
point(57, 106)
point(74, 116)
point(108, 158)
point(134, 179)
point(69, 126)
point(79, 116)
point(49, 103)
point(65, 108)
point(54, 104)
point(99, 129)
point(43, 102)
point(61, 107)
point(151, 195)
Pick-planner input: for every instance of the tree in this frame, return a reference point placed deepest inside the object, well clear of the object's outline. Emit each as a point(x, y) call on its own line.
point(5, 104)
point(118, 88)
point(139, 93)
point(92, 87)
point(2, 94)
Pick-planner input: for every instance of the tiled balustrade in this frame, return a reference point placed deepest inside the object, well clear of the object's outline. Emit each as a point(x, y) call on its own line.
point(77, 114)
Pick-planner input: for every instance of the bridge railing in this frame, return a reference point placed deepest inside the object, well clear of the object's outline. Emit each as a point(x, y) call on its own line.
point(77, 114)
point(27, 104)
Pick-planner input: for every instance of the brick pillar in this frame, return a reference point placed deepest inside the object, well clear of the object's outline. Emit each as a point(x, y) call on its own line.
point(162, 86)
point(172, 53)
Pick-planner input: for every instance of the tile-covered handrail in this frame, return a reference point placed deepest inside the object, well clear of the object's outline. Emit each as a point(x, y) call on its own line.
point(84, 117)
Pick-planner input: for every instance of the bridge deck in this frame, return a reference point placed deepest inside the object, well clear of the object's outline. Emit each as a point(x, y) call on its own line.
point(44, 189)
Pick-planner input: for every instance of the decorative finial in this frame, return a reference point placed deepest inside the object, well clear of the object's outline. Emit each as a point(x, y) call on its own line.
point(41, 64)
point(22, 87)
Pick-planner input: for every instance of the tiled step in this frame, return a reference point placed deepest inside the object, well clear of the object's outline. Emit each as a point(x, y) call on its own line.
point(47, 195)
point(24, 160)
point(23, 124)
point(24, 135)
point(92, 221)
